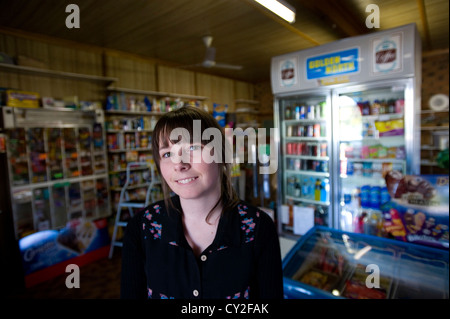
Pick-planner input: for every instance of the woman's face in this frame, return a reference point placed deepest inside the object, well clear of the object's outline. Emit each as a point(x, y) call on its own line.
point(186, 173)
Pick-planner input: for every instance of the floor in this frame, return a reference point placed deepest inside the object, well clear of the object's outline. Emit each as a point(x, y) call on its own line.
point(98, 280)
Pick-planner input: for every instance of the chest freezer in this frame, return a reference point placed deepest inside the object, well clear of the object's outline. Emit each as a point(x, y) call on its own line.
point(329, 263)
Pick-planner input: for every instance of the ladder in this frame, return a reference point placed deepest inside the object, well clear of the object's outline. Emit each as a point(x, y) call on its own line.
point(124, 199)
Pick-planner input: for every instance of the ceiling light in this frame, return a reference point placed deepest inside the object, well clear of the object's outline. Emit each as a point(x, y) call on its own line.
point(280, 8)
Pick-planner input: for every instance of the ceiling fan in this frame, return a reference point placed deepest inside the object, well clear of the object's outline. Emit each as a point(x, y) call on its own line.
point(210, 56)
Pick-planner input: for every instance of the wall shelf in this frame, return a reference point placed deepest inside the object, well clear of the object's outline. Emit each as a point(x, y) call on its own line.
point(156, 93)
point(54, 73)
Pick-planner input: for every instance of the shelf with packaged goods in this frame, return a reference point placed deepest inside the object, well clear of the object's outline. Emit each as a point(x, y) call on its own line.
point(434, 132)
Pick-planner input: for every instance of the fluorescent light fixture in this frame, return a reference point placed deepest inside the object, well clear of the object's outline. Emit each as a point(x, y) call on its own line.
point(280, 8)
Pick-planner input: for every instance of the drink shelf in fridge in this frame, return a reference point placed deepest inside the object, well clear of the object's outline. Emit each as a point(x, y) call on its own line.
point(309, 201)
point(309, 173)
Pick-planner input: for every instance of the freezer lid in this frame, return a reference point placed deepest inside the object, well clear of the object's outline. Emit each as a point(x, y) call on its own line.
point(353, 265)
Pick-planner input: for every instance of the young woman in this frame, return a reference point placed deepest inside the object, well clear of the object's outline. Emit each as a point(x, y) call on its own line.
point(202, 242)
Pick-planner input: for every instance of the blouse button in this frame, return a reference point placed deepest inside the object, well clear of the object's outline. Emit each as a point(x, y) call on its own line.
point(195, 292)
point(203, 258)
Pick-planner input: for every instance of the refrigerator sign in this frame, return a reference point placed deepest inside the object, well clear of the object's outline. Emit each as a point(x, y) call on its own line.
point(288, 72)
point(387, 54)
point(332, 64)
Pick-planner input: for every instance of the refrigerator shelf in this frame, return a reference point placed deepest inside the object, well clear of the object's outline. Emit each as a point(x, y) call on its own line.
point(376, 160)
point(308, 173)
point(301, 138)
point(305, 200)
point(317, 158)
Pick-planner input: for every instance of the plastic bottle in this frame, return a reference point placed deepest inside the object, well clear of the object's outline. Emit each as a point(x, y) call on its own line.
point(325, 190)
point(347, 213)
point(375, 197)
point(317, 189)
point(373, 223)
point(365, 196)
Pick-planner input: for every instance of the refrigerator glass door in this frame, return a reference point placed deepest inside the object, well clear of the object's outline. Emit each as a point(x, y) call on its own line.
point(371, 140)
point(304, 161)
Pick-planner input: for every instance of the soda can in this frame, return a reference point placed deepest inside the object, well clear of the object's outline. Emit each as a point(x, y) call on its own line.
point(289, 148)
point(297, 112)
point(318, 111)
point(317, 130)
point(323, 149)
point(289, 130)
point(297, 164)
point(302, 112)
point(310, 131)
point(294, 148)
point(311, 114)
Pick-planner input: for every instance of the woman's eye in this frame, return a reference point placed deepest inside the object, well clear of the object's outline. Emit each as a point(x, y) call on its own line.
point(165, 155)
point(194, 147)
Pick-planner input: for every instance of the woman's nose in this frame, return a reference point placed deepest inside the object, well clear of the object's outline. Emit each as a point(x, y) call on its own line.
point(181, 165)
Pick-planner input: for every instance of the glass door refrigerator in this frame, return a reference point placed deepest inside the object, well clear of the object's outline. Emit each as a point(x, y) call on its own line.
point(346, 113)
point(374, 128)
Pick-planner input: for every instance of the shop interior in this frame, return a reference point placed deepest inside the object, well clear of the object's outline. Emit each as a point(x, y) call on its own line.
point(110, 70)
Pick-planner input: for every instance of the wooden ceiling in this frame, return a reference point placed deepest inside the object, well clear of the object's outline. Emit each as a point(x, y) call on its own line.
point(244, 33)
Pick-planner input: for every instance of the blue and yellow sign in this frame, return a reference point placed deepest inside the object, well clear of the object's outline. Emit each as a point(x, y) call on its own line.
point(332, 64)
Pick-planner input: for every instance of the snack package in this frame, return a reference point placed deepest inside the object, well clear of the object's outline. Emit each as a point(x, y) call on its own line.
point(390, 128)
point(219, 113)
point(418, 211)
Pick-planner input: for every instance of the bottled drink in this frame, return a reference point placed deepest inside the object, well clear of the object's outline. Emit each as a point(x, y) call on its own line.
point(347, 214)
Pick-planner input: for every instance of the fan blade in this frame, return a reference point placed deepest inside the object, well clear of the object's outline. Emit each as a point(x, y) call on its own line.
point(227, 66)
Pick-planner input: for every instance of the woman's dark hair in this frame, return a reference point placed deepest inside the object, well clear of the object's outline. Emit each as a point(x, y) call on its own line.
point(184, 118)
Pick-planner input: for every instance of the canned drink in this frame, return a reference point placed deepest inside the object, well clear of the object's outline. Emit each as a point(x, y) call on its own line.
point(304, 150)
point(299, 149)
point(317, 130)
point(304, 165)
point(297, 164)
point(294, 148)
point(302, 112)
point(301, 131)
point(289, 130)
point(317, 110)
point(310, 131)
point(311, 112)
point(297, 112)
point(323, 149)
point(289, 148)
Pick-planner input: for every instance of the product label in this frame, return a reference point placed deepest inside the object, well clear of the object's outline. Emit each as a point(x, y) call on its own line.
point(333, 64)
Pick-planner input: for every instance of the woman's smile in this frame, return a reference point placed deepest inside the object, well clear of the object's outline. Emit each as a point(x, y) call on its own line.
point(186, 180)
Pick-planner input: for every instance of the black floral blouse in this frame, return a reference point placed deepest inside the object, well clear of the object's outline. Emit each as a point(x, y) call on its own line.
point(244, 260)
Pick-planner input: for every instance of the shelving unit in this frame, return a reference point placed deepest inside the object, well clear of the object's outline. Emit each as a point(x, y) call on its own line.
point(57, 167)
point(434, 139)
point(56, 159)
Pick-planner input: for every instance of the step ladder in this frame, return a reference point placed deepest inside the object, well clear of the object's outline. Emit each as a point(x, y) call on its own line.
point(124, 199)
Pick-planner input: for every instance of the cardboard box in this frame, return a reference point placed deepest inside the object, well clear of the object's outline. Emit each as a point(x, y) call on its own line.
point(16, 98)
point(418, 211)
